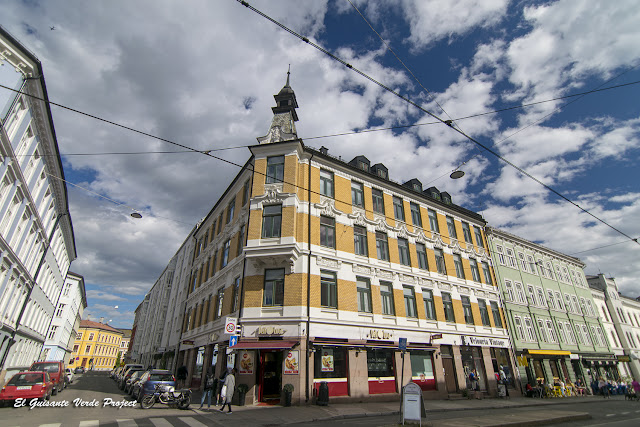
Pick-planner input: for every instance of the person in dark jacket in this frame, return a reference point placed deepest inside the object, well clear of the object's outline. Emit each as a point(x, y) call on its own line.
point(182, 375)
point(210, 384)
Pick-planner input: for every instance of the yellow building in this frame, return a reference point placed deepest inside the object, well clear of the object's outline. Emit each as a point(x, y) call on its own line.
point(330, 267)
point(96, 347)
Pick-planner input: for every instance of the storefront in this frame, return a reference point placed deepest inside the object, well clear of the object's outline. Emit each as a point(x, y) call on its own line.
point(331, 365)
point(601, 366)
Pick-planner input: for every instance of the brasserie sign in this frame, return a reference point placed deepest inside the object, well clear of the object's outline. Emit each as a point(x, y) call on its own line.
point(487, 342)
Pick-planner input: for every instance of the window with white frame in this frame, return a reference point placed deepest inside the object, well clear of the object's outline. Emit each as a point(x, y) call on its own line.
point(551, 332)
point(451, 228)
point(559, 300)
point(549, 269)
point(466, 232)
point(567, 303)
point(457, 262)
point(510, 291)
point(326, 183)
point(478, 234)
point(357, 194)
point(596, 338)
point(551, 299)
point(52, 332)
point(570, 335)
point(360, 240)
point(386, 295)
point(532, 295)
point(543, 270)
point(364, 294)
point(403, 252)
point(421, 251)
point(531, 334)
point(565, 274)
point(563, 337)
point(587, 337)
point(511, 258)
point(579, 336)
point(415, 215)
point(487, 273)
point(532, 265)
point(433, 221)
point(60, 310)
point(495, 311)
point(523, 262)
point(541, 330)
point(475, 273)
point(576, 306)
point(501, 259)
point(519, 328)
point(520, 292)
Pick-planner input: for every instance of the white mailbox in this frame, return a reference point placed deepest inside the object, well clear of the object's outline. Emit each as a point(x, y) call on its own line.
point(412, 403)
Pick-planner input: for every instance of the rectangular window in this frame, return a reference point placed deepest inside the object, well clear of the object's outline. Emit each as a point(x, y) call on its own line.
point(225, 253)
point(328, 289)
point(326, 183)
point(398, 208)
point(487, 273)
point(550, 299)
point(501, 259)
point(457, 262)
point(551, 331)
point(559, 300)
point(466, 233)
point(475, 273)
point(496, 314)
point(532, 265)
point(386, 295)
point(532, 295)
point(403, 251)
point(576, 306)
point(421, 251)
point(484, 313)
point(440, 265)
point(541, 331)
point(433, 221)
point(60, 310)
point(273, 287)
point(510, 291)
point(567, 303)
point(466, 310)
point(478, 234)
point(520, 293)
point(451, 227)
point(541, 299)
point(236, 294)
point(531, 336)
point(380, 363)
point(429, 306)
point(519, 328)
point(378, 201)
point(275, 169)
point(511, 258)
point(357, 194)
point(523, 263)
point(231, 209)
point(245, 193)
point(415, 215)
point(447, 304)
point(364, 295)
point(241, 239)
point(382, 246)
point(327, 231)
point(271, 221)
point(409, 301)
point(52, 332)
point(360, 240)
point(219, 302)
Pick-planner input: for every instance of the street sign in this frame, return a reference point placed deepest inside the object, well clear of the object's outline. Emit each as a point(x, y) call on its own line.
point(231, 325)
point(436, 337)
point(233, 340)
point(402, 343)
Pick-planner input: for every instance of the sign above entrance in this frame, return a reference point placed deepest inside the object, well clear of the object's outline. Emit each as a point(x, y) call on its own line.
point(270, 330)
point(484, 342)
point(379, 334)
point(230, 325)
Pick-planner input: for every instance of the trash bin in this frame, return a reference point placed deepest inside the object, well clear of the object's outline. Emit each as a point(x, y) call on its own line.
point(323, 394)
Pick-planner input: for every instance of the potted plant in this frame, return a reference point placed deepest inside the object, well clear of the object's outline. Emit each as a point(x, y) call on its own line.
point(288, 390)
point(242, 393)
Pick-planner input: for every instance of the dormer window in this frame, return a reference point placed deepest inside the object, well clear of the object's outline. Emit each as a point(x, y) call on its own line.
point(363, 166)
point(435, 195)
point(417, 187)
point(382, 173)
point(283, 103)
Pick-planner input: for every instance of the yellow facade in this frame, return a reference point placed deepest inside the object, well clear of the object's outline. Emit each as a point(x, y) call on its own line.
point(97, 346)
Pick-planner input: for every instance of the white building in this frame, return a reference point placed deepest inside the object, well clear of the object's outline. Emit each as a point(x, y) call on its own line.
point(66, 320)
point(36, 235)
point(622, 316)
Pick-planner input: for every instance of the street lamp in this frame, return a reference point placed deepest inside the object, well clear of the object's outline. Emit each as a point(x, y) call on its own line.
point(456, 174)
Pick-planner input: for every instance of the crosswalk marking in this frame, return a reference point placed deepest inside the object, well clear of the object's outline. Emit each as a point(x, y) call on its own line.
point(89, 423)
point(126, 423)
point(160, 422)
point(192, 422)
point(51, 425)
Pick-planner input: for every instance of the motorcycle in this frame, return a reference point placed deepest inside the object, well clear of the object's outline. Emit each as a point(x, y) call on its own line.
point(167, 395)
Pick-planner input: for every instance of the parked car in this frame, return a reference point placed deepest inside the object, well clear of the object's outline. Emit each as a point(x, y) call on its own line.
point(132, 380)
point(55, 371)
point(148, 381)
point(69, 373)
point(126, 376)
point(124, 370)
point(27, 385)
point(79, 370)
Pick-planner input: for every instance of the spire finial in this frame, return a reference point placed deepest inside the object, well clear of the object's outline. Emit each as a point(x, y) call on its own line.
point(288, 72)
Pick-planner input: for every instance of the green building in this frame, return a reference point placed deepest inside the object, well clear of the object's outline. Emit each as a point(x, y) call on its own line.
point(553, 321)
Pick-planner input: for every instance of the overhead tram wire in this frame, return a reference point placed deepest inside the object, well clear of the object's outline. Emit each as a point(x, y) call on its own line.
point(513, 107)
point(207, 152)
point(605, 246)
point(446, 122)
point(597, 89)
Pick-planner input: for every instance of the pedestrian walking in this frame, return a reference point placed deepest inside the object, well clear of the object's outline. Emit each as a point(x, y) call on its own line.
point(182, 375)
point(228, 389)
point(603, 386)
point(209, 386)
point(219, 396)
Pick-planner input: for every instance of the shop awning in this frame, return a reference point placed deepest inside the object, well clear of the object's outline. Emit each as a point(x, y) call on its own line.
point(550, 352)
point(266, 345)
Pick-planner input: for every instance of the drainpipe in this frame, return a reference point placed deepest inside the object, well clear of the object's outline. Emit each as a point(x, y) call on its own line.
point(28, 298)
point(306, 391)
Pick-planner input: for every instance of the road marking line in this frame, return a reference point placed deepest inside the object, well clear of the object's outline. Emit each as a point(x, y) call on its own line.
point(625, 413)
point(89, 423)
point(610, 415)
point(126, 423)
point(160, 422)
point(192, 422)
point(51, 425)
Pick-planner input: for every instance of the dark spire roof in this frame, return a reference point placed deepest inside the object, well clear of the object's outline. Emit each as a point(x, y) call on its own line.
point(286, 100)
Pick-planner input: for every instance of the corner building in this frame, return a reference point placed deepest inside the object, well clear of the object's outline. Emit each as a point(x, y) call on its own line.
point(328, 265)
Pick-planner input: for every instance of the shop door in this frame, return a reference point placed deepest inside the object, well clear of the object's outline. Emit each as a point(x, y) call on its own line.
point(449, 374)
point(84, 362)
point(270, 375)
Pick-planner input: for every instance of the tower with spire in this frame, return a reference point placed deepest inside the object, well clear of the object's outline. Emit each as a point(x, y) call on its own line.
point(283, 126)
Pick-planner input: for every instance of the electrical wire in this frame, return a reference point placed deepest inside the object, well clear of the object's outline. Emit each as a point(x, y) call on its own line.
point(447, 122)
point(606, 246)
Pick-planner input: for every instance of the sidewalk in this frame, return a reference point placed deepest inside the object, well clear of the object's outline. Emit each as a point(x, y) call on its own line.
point(280, 415)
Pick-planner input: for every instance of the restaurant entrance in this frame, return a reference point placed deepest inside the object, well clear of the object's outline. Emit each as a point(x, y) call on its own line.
point(449, 368)
point(270, 375)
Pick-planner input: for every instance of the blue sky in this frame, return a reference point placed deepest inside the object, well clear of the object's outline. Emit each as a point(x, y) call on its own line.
point(186, 73)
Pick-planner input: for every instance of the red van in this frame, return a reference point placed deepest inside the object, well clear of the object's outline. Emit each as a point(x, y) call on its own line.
point(55, 371)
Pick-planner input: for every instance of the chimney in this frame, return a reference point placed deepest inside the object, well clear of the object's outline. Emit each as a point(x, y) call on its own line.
point(324, 150)
point(102, 320)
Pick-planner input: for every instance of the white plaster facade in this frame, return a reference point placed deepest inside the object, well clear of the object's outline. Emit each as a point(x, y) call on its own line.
point(36, 235)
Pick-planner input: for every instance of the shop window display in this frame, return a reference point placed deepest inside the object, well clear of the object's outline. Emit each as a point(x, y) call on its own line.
point(381, 368)
point(422, 370)
point(331, 366)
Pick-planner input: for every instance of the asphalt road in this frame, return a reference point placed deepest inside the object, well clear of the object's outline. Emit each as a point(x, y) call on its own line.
point(93, 399)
